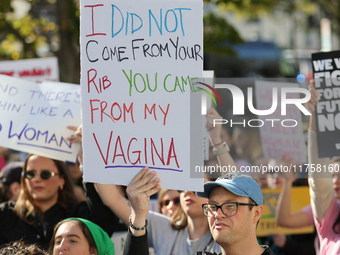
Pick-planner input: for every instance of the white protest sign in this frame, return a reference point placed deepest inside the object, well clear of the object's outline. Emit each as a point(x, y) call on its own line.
point(36, 69)
point(138, 60)
point(35, 116)
point(281, 134)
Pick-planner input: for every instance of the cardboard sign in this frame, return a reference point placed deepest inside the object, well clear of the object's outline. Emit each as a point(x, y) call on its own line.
point(35, 116)
point(300, 198)
point(283, 135)
point(139, 60)
point(326, 69)
point(37, 69)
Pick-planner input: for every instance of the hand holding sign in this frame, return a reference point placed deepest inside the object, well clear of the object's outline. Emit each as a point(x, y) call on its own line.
point(77, 138)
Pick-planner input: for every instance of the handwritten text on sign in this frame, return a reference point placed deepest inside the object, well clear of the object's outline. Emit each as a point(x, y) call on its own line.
point(37, 69)
point(138, 62)
point(34, 117)
point(326, 69)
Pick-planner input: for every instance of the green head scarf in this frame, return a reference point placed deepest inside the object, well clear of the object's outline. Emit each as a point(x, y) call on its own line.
point(101, 238)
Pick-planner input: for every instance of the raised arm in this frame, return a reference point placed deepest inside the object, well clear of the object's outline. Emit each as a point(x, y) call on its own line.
point(139, 191)
point(284, 216)
point(214, 129)
point(320, 184)
point(108, 193)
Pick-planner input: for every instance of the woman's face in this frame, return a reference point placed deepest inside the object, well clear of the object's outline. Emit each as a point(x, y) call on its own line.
point(275, 180)
point(192, 204)
point(70, 240)
point(41, 190)
point(170, 203)
point(75, 171)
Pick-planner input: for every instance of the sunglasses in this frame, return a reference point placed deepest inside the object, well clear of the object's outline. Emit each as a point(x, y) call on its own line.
point(44, 174)
point(167, 202)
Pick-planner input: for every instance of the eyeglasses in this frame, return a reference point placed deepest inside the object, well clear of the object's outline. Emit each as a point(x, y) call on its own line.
point(228, 209)
point(167, 202)
point(44, 174)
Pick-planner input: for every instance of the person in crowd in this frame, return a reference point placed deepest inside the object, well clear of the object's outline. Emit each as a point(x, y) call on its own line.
point(182, 239)
point(168, 202)
point(302, 244)
point(21, 248)
point(77, 180)
point(259, 176)
point(247, 143)
point(211, 173)
point(284, 217)
point(80, 236)
point(325, 206)
point(189, 240)
point(10, 178)
point(4, 153)
point(240, 201)
point(233, 227)
point(143, 185)
point(46, 197)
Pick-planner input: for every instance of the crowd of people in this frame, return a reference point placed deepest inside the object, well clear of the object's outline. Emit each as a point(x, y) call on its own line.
point(46, 209)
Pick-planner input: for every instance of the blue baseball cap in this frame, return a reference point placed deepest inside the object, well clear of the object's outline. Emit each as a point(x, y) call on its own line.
point(239, 184)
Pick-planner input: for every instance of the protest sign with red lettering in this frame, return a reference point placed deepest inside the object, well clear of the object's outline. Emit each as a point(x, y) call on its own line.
point(139, 63)
point(36, 69)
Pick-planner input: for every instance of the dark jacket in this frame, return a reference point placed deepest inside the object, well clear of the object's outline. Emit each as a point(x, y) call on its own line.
point(13, 228)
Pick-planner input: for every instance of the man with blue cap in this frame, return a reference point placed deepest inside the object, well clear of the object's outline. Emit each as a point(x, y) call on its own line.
point(234, 208)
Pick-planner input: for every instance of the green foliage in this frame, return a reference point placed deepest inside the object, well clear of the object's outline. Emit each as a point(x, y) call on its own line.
point(217, 33)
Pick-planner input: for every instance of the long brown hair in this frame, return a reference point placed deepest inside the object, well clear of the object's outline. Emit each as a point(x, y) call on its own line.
point(25, 204)
point(84, 229)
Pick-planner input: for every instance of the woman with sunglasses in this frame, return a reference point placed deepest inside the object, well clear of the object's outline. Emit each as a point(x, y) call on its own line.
point(47, 197)
point(187, 240)
point(168, 202)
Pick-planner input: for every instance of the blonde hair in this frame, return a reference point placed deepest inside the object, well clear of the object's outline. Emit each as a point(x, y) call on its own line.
point(161, 195)
point(179, 220)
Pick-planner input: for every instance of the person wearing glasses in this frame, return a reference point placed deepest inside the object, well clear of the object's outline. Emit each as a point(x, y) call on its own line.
point(234, 208)
point(47, 197)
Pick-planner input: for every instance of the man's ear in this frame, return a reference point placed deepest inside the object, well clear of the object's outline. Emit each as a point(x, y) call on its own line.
point(258, 210)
